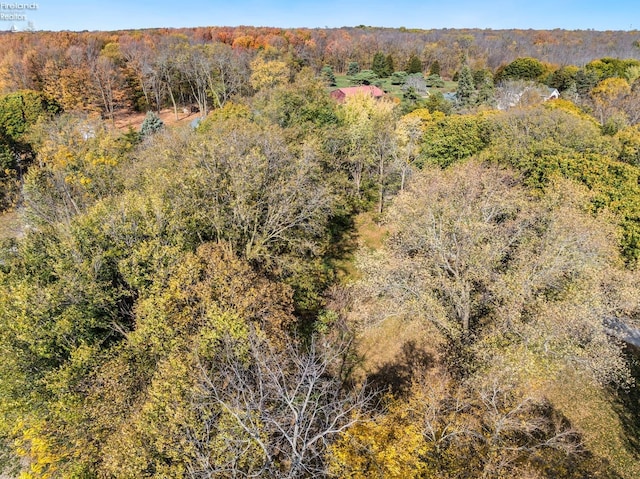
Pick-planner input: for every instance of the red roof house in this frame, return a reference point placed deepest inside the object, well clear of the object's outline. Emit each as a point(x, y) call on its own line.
point(341, 94)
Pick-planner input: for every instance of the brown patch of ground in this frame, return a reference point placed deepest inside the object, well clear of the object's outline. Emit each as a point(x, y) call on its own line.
point(367, 233)
point(11, 225)
point(395, 350)
point(126, 118)
point(370, 232)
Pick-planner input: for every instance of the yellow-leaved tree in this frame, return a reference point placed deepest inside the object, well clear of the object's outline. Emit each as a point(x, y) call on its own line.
point(268, 73)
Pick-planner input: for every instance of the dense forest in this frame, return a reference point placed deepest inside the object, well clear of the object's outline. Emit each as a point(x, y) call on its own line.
point(442, 282)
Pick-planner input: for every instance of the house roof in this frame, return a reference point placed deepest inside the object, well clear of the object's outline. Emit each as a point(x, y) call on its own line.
point(511, 98)
point(551, 93)
point(372, 90)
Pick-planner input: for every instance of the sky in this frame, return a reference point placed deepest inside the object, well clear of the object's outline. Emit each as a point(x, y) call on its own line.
point(494, 14)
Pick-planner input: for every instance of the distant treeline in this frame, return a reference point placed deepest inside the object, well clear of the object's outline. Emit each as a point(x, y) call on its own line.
point(143, 69)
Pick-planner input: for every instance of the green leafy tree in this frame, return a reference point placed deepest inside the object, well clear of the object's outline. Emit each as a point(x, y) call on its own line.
point(122, 315)
point(611, 67)
point(411, 100)
point(409, 130)
point(104, 382)
point(563, 78)
point(571, 93)
point(481, 76)
point(369, 129)
point(302, 105)
point(21, 110)
point(632, 73)
point(410, 95)
point(246, 187)
point(19, 113)
point(78, 165)
point(449, 139)
point(608, 96)
point(522, 69)
point(268, 73)
point(486, 94)
point(585, 81)
point(483, 81)
point(629, 140)
point(570, 144)
point(9, 177)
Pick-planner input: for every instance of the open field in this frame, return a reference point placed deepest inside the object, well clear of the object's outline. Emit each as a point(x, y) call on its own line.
point(342, 81)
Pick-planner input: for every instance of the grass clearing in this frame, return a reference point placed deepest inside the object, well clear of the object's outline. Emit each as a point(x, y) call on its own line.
point(342, 81)
point(369, 234)
point(396, 350)
point(598, 422)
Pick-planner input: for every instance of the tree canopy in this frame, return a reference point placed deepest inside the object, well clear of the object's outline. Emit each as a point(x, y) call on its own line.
point(426, 284)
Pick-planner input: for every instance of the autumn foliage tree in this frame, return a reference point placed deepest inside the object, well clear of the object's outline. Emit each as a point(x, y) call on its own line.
point(298, 287)
point(19, 113)
point(138, 308)
point(511, 292)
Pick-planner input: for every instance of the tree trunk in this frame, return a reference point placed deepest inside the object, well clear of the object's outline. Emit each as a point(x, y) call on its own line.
point(173, 101)
point(381, 186)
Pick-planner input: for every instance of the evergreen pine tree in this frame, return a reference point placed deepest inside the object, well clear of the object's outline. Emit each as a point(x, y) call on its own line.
point(328, 75)
point(434, 81)
point(486, 94)
point(466, 88)
point(585, 81)
point(365, 77)
point(353, 69)
point(435, 68)
point(151, 124)
point(398, 78)
point(483, 81)
point(571, 93)
point(414, 65)
point(410, 100)
point(379, 65)
point(390, 65)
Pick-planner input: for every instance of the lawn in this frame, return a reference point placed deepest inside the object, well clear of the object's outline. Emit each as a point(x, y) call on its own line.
point(343, 81)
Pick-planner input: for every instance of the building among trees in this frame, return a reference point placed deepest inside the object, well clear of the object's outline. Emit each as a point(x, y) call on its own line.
point(342, 93)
